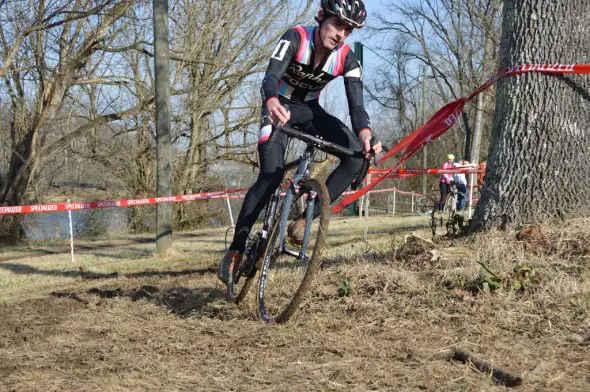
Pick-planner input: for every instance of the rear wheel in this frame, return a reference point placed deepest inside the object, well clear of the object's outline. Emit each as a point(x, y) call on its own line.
point(287, 271)
point(239, 287)
point(244, 276)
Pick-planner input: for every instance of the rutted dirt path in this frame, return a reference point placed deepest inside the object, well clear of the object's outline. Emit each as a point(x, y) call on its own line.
point(162, 324)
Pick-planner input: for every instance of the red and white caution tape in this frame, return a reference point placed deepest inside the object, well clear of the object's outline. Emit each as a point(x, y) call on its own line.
point(446, 117)
point(88, 205)
point(415, 172)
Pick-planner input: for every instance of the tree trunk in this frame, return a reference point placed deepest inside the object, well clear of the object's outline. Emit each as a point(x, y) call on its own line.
point(468, 137)
point(163, 138)
point(194, 164)
point(539, 154)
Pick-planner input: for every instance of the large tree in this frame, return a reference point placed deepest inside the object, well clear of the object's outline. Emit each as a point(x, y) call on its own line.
point(539, 154)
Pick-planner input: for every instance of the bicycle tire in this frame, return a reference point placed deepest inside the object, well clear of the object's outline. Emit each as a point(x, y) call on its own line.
point(279, 293)
point(425, 205)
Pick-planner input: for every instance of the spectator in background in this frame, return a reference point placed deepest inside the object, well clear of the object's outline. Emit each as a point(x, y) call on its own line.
point(481, 173)
point(445, 181)
point(461, 183)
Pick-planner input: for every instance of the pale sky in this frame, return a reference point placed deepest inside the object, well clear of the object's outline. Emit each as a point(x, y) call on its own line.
point(336, 97)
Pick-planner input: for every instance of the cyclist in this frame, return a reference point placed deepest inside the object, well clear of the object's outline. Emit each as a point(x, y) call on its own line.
point(461, 182)
point(305, 59)
point(445, 181)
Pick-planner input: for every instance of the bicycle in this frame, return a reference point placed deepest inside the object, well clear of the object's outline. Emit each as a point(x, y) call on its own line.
point(428, 205)
point(286, 269)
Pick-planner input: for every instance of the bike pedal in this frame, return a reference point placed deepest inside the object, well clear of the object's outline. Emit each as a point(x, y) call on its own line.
point(244, 270)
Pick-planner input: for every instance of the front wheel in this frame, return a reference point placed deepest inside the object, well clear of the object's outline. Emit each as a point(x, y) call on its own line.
point(287, 271)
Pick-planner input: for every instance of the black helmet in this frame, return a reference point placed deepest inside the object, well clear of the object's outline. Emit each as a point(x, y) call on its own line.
point(350, 11)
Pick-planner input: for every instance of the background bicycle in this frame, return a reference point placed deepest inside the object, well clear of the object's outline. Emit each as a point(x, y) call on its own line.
point(448, 217)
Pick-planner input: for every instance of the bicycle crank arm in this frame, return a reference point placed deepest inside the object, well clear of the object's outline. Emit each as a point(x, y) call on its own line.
point(290, 252)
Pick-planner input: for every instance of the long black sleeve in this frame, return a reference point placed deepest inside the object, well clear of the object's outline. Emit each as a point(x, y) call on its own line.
point(353, 84)
point(279, 62)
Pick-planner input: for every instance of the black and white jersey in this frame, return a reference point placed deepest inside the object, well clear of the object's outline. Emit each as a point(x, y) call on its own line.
point(291, 73)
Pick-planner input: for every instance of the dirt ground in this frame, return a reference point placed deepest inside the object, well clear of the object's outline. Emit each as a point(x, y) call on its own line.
point(123, 319)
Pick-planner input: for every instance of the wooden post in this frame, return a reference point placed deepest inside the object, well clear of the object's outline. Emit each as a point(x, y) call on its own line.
point(394, 192)
point(412, 202)
point(389, 203)
point(163, 138)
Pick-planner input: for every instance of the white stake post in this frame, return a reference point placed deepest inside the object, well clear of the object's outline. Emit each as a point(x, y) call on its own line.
point(412, 202)
point(71, 233)
point(394, 192)
point(361, 202)
point(231, 215)
point(367, 201)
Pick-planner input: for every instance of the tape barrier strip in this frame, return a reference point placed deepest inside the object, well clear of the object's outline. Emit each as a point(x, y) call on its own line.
point(87, 205)
point(408, 193)
point(403, 172)
point(385, 190)
point(448, 115)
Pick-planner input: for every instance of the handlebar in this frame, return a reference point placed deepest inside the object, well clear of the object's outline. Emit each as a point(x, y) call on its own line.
point(334, 149)
point(319, 143)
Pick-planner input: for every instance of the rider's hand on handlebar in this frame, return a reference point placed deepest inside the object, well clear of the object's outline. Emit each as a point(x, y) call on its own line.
point(370, 151)
point(277, 112)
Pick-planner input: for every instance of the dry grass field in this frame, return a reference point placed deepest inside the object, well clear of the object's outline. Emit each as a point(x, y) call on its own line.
point(123, 319)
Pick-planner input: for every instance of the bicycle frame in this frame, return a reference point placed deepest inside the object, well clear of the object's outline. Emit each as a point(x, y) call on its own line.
point(302, 173)
point(303, 169)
